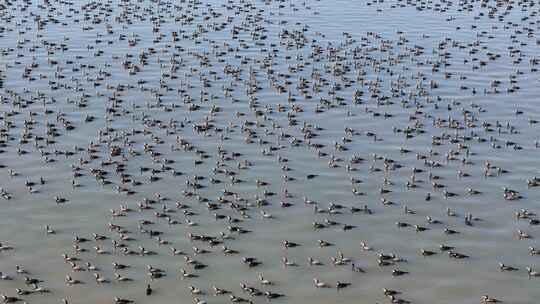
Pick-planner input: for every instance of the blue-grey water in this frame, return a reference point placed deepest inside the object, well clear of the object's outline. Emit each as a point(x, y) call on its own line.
point(459, 75)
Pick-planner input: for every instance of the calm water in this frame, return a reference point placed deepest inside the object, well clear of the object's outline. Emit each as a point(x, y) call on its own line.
point(94, 58)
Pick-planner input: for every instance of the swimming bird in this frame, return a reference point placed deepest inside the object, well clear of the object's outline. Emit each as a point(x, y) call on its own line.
point(504, 267)
point(186, 274)
point(5, 277)
point(121, 278)
point(314, 262)
point(195, 290)
point(287, 263)
point(264, 281)
point(532, 273)
point(118, 300)
point(71, 281)
point(319, 284)
point(198, 301)
point(7, 299)
point(20, 270)
point(488, 299)
point(340, 285)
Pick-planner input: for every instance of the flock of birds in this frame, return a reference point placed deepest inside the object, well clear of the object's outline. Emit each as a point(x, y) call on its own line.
point(254, 88)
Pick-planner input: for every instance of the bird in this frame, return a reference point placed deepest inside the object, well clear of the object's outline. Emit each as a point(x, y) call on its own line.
point(488, 299)
point(319, 284)
point(100, 279)
point(7, 299)
point(20, 270)
point(118, 300)
point(532, 273)
point(504, 267)
point(263, 280)
point(340, 285)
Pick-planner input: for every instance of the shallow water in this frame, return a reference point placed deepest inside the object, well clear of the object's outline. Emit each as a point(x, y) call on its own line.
point(435, 279)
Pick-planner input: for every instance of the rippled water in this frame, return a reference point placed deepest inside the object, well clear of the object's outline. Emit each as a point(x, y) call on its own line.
point(435, 279)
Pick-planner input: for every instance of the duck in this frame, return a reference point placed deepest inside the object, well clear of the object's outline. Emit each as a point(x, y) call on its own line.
point(288, 244)
point(503, 267)
point(450, 231)
point(99, 250)
point(118, 300)
point(342, 257)
point(272, 295)
point(195, 290)
point(523, 235)
point(155, 275)
point(76, 267)
point(365, 247)
point(198, 301)
point(60, 200)
point(251, 261)
point(7, 299)
point(198, 250)
point(121, 278)
point(228, 251)
point(99, 279)
point(23, 292)
point(251, 290)
point(20, 270)
point(144, 252)
point(395, 300)
point(91, 267)
point(235, 299)
point(186, 274)
point(49, 230)
point(30, 281)
point(318, 225)
point(457, 255)
point(444, 247)
point(314, 262)
point(39, 289)
point(118, 266)
point(396, 272)
point(390, 292)
point(219, 291)
point(71, 281)
point(340, 285)
point(98, 237)
point(5, 277)
point(418, 228)
point(338, 261)
point(319, 284)
point(323, 243)
point(263, 280)
point(407, 210)
point(77, 239)
point(68, 258)
point(488, 299)
point(425, 253)
point(266, 215)
point(287, 263)
point(177, 251)
point(532, 273)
